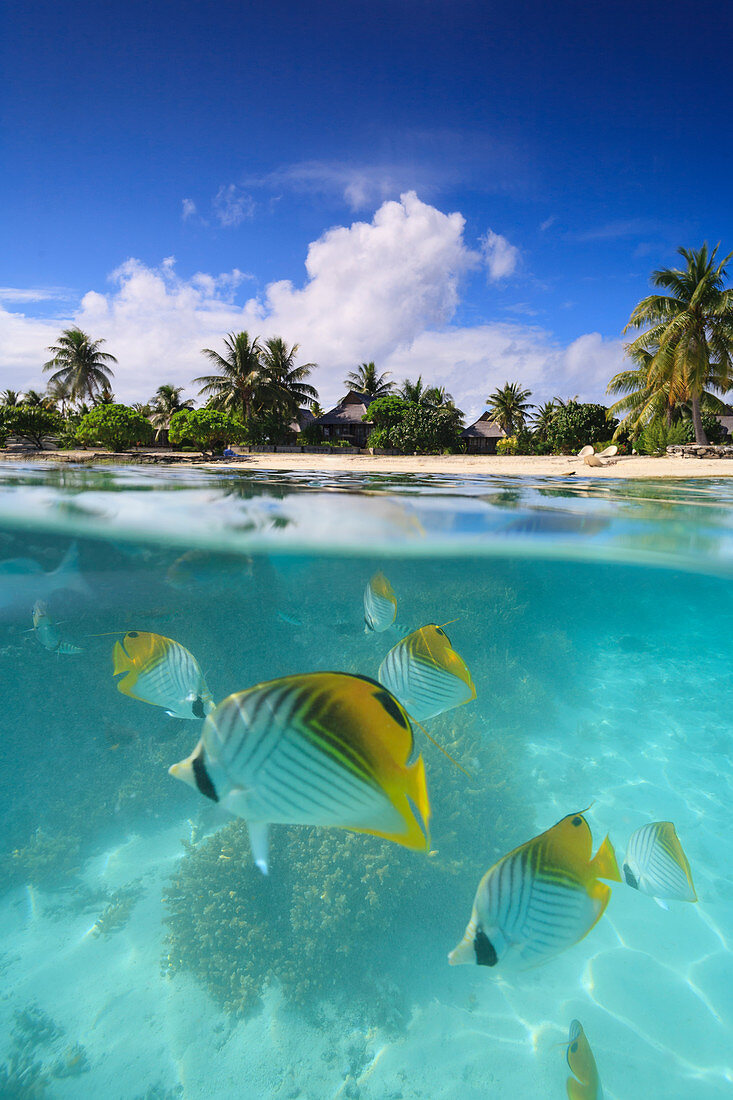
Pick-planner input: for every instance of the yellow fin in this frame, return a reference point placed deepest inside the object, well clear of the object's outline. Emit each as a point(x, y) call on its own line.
point(415, 791)
point(604, 863)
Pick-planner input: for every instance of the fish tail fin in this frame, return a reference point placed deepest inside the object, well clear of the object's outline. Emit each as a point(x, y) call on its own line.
point(604, 863)
point(576, 1090)
point(68, 575)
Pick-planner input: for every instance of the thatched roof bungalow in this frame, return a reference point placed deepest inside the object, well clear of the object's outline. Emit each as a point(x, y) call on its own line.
point(482, 436)
point(345, 420)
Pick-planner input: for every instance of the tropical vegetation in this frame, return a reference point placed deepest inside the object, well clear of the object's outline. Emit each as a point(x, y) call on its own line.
point(367, 379)
point(683, 358)
point(673, 389)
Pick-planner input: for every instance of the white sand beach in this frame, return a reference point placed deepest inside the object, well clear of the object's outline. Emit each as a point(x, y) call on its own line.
point(627, 466)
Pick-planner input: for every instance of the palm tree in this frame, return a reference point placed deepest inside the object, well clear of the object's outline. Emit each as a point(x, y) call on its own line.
point(235, 387)
point(284, 385)
point(10, 398)
point(58, 393)
point(690, 338)
point(437, 398)
point(510, 406)
point(413, 391)
point(366, 379)
point(165, 403)
point(544, 416)
point(105, 396)
point(33, 397)
point(80, 364)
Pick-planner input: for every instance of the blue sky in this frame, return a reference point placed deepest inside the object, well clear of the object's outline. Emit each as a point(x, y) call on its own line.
point(152, 148)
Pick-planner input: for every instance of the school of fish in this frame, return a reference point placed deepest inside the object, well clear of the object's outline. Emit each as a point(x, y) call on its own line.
point(338, 749)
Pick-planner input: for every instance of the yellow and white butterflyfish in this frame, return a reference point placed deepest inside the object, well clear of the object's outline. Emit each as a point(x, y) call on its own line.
point(582, 1066)
point(321, 748)
point(539, 899)
point(380, 604)
point(160, 671)
point(47, 631)
point(656, 865)
point(426, 674)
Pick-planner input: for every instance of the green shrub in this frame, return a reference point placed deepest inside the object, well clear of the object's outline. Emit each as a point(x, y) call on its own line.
point(507, 446)
point(31, 422)
point(206, 429)
point(311, 435)
point(115, 427)
point(575, 425)
point(657, 436)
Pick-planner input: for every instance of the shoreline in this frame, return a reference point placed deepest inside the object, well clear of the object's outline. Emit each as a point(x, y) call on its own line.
point(499, 466)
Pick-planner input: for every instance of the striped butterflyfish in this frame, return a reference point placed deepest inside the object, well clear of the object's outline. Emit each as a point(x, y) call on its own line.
point(426, 674)
point(380, 604)
point(582, 1066)
point(539, 899)
point(321, 748)
point(656, 865)
point(160, 671)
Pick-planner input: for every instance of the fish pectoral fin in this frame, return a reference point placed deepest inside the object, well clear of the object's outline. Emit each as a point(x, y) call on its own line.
point(259, 840)
point(604, 863)
point(662, 904)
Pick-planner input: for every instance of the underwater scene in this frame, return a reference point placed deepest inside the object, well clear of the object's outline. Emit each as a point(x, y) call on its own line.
point(324, 785)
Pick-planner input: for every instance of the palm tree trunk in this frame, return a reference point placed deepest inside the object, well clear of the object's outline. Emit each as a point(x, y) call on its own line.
point(700, 436)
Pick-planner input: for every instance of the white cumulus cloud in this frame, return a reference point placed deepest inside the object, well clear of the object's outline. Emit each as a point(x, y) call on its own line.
point(500, 256)
point(385, 289)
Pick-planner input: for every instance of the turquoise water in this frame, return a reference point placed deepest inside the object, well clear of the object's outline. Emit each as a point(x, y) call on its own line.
point(142, 953)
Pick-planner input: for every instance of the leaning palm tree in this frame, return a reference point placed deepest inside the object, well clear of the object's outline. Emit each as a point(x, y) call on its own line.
point(284, 386)
point(509, 406)
point(240, 377)
point(366, 379)
point(690, 333)
point(78, 362)
point(165, 403)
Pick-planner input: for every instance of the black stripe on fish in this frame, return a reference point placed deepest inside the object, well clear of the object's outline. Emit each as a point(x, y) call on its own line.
point(202, 777)
point(484, 949)
point(198, 707)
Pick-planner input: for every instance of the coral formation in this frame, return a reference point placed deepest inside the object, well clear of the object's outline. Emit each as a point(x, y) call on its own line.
point(117, 912)
point(341, 912)
point(24, 1076)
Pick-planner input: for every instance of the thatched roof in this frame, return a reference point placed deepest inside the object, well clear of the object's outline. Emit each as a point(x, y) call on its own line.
point(349, 410)
point(484, 428)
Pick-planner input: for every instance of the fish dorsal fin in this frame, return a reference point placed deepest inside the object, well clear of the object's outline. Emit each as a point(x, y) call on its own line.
point(380, 586)
point(441, 653)
point(604, 864)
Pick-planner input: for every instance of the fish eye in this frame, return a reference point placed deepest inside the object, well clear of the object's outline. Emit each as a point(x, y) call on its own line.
point(484, 949)
point(573, 1047)
point(577, 821)
point(132, 634)
point(198, 707)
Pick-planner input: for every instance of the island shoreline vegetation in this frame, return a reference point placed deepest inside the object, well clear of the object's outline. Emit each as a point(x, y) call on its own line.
point(681, 367)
